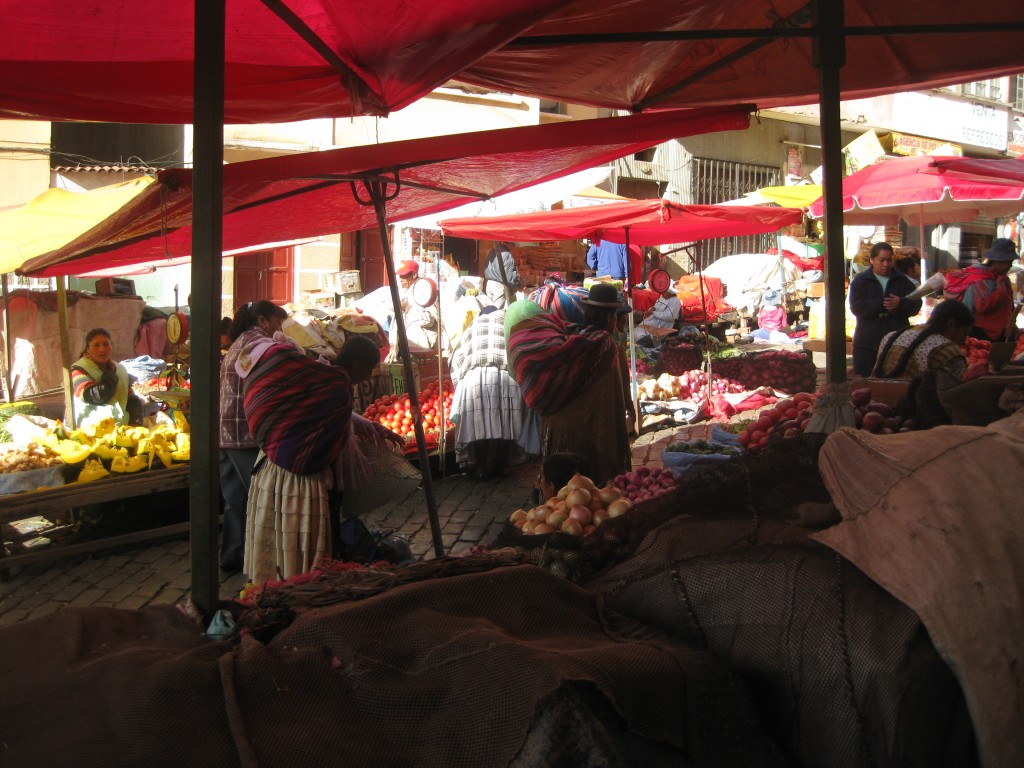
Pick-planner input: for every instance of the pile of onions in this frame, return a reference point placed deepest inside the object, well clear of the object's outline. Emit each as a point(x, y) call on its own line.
point(645, 483)
point(577, 509)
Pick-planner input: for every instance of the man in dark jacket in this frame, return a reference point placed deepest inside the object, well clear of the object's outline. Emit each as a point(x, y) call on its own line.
point(878, 301)
point(501, 275)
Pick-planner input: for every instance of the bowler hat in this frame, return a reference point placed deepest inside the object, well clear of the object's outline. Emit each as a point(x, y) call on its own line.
point(1002, 249)
point(606, 296)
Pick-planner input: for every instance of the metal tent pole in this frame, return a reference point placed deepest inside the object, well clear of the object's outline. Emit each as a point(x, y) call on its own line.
point(377, 191)
point(634, 385)
point(8, 376)
point(207, 228)
point(829, 57)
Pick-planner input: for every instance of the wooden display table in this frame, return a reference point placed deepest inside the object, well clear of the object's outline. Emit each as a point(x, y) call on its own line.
point(38, 503)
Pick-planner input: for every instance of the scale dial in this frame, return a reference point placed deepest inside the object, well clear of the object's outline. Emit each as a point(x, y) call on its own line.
point(177, 328)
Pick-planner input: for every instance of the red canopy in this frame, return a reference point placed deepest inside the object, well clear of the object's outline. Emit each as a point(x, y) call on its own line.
point(131, 60)
point(650, 222)
point(929, 190)
point(637, 54)
point(298, 196)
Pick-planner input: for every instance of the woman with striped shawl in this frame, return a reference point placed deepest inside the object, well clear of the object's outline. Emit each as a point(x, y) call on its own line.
point(576, 379)
point(488, 407)
point(300, 413)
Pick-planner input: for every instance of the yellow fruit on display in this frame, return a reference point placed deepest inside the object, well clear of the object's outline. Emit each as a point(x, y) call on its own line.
point(165, 458)
point(127, 465)
point(107, 453)
point(93, 470)
point(104, 427)
point(72, 451)
point(81, 437)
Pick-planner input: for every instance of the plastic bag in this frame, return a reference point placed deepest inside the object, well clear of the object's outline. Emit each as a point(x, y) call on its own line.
point(682, 462)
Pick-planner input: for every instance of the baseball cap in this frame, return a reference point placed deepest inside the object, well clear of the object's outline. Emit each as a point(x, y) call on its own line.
point(407, 267)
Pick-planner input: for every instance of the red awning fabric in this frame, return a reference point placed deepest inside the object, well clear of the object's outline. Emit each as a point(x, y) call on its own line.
point(301, 196)
point(930, 190)
point(131, 60)
point(650, 222)
point(623, 67)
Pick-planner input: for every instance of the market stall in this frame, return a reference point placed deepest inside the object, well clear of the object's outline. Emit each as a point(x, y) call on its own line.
point(641, 222)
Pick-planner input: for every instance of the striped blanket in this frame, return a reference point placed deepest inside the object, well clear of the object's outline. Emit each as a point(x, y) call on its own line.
point(565, 301)
point(297, 409)
point(553, 361)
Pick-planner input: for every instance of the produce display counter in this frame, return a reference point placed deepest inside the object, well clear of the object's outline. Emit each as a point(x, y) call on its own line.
point(77, 495)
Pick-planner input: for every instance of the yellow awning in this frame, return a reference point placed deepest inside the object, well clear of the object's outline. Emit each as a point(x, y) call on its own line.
point(57, 217)
point(799, 196)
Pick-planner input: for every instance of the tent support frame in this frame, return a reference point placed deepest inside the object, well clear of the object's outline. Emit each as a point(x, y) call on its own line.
point(377, 191)
point(207, 243)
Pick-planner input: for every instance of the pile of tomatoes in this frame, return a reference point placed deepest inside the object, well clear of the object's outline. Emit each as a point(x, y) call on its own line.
point(394, 411)
point(977, 352)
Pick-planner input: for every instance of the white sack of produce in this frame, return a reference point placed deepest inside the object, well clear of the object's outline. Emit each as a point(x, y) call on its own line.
point(936, 518)
point(746, 276)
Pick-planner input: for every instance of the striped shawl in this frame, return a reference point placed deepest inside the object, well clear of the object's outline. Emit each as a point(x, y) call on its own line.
point(297, 409)
point(553, 361)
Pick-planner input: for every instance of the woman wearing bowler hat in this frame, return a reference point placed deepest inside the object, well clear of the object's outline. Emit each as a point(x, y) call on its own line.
point(596, 423)
point(987, 292)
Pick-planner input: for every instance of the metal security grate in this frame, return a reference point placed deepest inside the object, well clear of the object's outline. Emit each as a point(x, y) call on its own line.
point(714, 182)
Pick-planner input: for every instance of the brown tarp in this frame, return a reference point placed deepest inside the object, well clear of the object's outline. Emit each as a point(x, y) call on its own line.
point(447, 672)
point(937, 519)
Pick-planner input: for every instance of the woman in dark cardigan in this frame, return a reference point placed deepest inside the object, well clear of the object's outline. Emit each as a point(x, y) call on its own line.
point(878, 301)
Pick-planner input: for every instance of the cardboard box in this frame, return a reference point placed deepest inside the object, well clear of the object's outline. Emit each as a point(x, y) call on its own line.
point(343, 282)
point(888, 391)
point(816, 290)
point(115, 286)
point(319, 299)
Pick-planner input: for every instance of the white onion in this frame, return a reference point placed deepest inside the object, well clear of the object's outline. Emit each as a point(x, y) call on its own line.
point(578, 497)
point(572, 527)
point(556, 518)
point(619, 507)
point(582, 514)
point(608, 494)
point(581, 481)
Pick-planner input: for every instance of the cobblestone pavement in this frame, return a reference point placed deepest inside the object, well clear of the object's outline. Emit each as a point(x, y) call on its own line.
point(470, 513)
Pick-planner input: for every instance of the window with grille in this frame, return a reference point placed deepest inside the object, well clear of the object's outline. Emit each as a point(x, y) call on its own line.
point(715, 181)
point(985, 89)
point(1017, 92)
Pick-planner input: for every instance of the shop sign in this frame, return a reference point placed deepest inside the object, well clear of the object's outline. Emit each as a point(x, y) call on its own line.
point(1015, 139)
point(904, 144)
point(862, 152)
point(963, 121)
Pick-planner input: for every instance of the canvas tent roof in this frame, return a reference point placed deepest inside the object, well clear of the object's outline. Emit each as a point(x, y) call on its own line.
point(308, 195)
point(131, 60)
point(649, 222)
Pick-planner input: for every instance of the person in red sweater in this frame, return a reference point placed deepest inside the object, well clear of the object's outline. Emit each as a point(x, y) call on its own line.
point(987, 292)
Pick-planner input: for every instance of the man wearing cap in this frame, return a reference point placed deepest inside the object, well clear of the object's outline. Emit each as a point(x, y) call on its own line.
point(407, 271)
point(663, 314)
point(987, 292)
point(596, 424)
